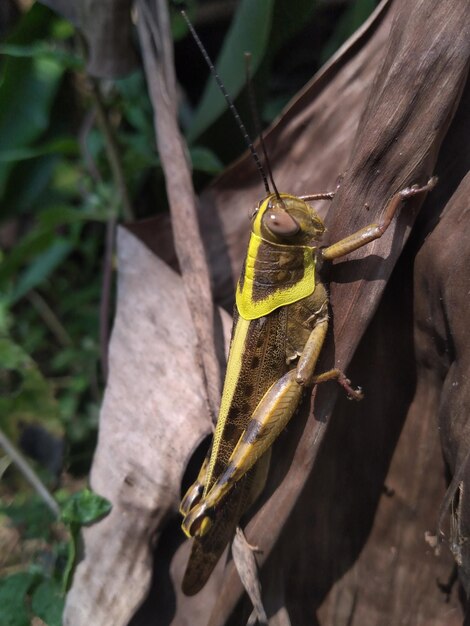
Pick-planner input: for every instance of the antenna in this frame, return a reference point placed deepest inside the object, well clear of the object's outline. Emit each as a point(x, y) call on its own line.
point(254, 113)
point(228, 100)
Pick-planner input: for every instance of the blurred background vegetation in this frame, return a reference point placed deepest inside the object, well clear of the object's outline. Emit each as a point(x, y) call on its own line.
point(77, 156)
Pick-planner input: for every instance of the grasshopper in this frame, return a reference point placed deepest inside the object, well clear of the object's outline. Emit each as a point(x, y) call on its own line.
point(279, 327)
point(280, 324)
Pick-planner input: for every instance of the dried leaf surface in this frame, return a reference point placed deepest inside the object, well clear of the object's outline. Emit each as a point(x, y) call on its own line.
point(379, 114)
point(155, 36)
point(153, 416)
point(411, 101)
point(442, 278)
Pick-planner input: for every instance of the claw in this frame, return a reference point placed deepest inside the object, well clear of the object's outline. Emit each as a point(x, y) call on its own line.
point(356, 394)
point(191, 498)
point(352, 394)
point(198, 521)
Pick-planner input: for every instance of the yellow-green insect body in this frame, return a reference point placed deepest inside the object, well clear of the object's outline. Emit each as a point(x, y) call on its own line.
point(280, 324)
point(277, 305)
point(279, 327)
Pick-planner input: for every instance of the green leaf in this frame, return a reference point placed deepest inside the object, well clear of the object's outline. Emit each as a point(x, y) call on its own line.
point(63, 145)
point(85, 507)
point(5, 463)
point(29, 185)
point(13, 591)
point(249, 32)
point(32, 515)
point(48, 602)
point(43, 49)
point(27, 90)
point(34, 243)
point(82, 509)
point(12, 356)
point(5, 319)
point(204, 160)
point(27, 396)
point(135, 104)
point(260, 28)
point(62, 29)
point(51, 218)
point(179, 28)
point(41, 268)
point(28, 87)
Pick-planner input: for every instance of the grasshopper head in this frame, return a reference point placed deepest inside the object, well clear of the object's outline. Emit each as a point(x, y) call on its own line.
point(288, 220)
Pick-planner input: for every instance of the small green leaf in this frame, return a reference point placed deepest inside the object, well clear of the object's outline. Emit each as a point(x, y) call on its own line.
point(81, 509)
point(135, 104)
point(28, 86)
point(85, 507)
point(48, 602)
point(31, 245)
point(26, 95)
point(62, 29)
point(179, 27)
point(53, 217)
point(63, 145)
point(41, 267)
point(12, 356)
point(29, 186)
point(204, 160)
point(32, 515)
point(31, 399)
point(42, 49)
point(5, 463)
point(13, 590)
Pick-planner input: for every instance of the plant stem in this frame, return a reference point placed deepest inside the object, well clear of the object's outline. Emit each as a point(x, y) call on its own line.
point(112, 150)
point(50, 319)
point(111, 145)
point(28, 472)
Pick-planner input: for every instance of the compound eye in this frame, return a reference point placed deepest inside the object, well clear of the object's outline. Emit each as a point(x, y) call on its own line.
point(279, 222)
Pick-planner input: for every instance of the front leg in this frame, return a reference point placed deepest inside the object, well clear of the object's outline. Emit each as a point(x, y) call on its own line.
point(374, 231)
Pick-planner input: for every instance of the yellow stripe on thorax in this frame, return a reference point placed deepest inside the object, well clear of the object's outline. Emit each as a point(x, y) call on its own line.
point(251, 309)
point(237, 349)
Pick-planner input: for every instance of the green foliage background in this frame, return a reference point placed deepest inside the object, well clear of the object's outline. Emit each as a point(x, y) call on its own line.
point(59, 203)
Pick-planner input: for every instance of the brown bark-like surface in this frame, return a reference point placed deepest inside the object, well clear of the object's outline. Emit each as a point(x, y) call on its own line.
point(341, 526)
point(155, 34)
point(154, 414)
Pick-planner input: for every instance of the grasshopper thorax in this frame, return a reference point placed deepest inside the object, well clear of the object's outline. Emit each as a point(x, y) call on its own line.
point(288, 220)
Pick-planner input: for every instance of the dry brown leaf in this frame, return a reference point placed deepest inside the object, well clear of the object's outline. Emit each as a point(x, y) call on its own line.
point(442, 279)
point(397, 143)
point(155, 35)
point(384, 132)
point(153, 416)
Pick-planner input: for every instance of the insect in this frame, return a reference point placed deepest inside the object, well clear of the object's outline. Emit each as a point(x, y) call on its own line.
point(279, 327)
